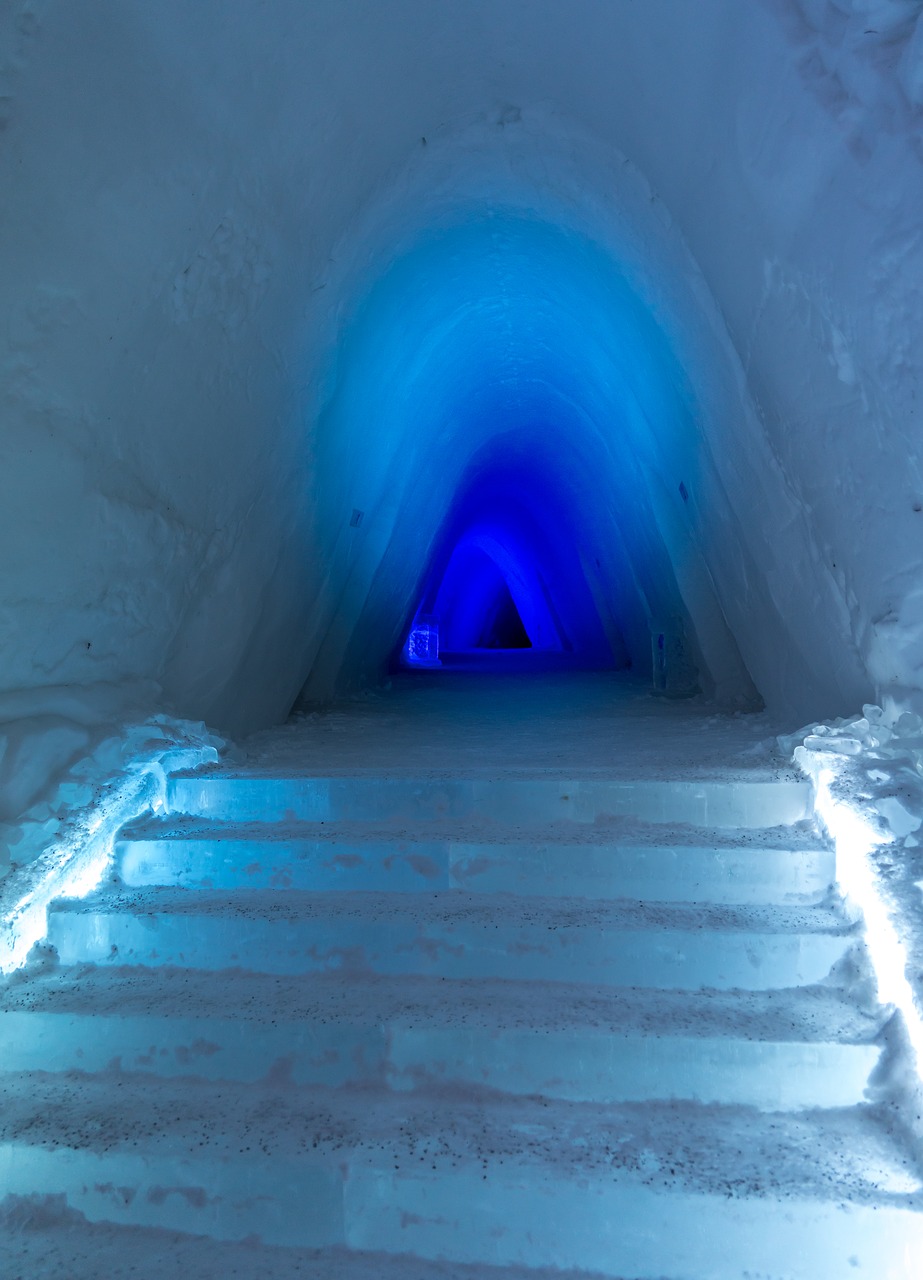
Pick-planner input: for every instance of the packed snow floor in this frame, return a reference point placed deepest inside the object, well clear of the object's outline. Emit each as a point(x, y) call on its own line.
point(571, 723)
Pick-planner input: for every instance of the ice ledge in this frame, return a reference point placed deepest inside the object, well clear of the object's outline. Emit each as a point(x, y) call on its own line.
point(867, 772)
point(75, 862)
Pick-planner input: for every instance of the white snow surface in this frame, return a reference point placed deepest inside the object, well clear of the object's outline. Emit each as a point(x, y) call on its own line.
point(199, 198)
point(62, 843)
point(60, 745)
point(56, 764)
point(872, 767)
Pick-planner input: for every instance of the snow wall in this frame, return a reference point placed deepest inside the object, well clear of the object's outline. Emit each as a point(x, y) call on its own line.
point(285, 285)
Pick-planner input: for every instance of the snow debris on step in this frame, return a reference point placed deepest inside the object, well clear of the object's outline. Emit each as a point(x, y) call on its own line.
point(486, 1025)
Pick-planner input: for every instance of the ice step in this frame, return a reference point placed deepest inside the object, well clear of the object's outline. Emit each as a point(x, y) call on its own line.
point(631, 861)
point(617, 1226)
point(41, 1239)
point(799, 1051)
point(455, 935)
point(579, 1066)
point(372, 798)
point(643, 1192)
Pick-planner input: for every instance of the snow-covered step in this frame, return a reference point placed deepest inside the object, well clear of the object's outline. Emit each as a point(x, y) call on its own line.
point(805, 1050)
point(740, 802)
point(470, 1027)
point(822, 1012)
point(41, 1238)
point(611, 1226)
point(642, 1192)
point(455, 935)
point(630, 860)
point(579, 1066)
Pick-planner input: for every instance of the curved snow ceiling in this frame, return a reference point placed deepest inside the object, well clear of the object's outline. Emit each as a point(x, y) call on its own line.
point(503, 370)
point(213, 215)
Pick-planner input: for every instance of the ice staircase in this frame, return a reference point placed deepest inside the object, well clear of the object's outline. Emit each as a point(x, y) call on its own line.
point(422, 1028)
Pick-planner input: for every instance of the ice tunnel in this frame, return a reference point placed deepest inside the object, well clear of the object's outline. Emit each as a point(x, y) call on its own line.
point(588, 323)
point(522, 443)
point(341, 336)
point(507, 573)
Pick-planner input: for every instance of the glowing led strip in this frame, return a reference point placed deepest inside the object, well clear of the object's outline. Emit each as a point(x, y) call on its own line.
point(74, 866)
point(855, 837)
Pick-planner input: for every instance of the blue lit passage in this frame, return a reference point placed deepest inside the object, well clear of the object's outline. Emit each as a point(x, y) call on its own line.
point(506, 573)
point(520, 436)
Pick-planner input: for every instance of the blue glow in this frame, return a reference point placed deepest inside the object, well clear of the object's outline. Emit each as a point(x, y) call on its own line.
point(483, 599)
point(75, 863)
point(856, 837)
point(505, 572)
point(422, 647)
point(511, 418)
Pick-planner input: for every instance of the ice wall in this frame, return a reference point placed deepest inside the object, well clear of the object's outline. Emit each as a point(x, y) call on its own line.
point(204, 205)
point(511, 355)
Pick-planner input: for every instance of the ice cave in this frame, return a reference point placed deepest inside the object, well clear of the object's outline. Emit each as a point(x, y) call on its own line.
point(461, 610)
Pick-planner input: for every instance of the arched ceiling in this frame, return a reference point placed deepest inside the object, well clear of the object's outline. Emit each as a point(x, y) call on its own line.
point(264, 266)
point(505, 354)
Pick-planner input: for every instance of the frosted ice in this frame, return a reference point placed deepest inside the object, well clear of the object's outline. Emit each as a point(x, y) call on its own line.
point(274, 281)
point(347, 1003)
point(761, 206)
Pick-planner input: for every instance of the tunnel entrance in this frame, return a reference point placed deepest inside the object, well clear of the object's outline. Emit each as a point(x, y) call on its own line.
point(492, 624)
point(506, 575)
point(503, 627)
point(480, 605)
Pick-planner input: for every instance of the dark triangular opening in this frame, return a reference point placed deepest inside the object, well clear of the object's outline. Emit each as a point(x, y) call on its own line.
point(503, 627)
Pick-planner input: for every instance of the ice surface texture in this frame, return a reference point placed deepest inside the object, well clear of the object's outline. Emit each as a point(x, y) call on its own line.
point(193, 408)
point(652, 1071)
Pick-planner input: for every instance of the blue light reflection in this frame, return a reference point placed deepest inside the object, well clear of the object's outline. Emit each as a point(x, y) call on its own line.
point(510, 416)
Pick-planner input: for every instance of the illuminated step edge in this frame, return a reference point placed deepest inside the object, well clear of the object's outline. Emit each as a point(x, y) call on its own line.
point(446, 935)
point(76, 859)
point(578, 1065)
point(607, 1221)
point(519, 800)
point(652, 871)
